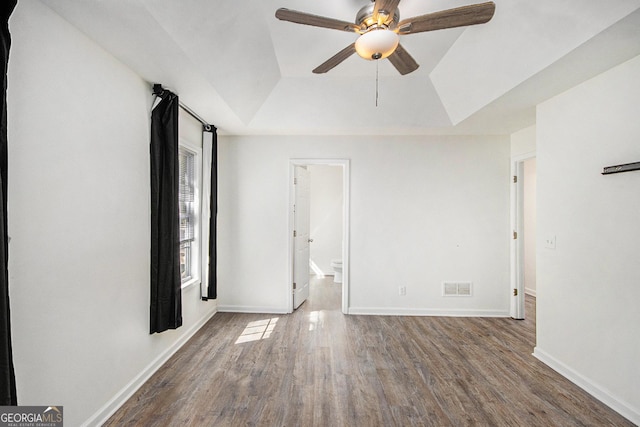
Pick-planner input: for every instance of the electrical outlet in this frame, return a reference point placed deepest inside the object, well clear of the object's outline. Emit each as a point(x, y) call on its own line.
point(402, 290)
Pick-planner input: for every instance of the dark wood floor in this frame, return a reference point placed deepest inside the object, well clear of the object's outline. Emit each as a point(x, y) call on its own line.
point(320, 367)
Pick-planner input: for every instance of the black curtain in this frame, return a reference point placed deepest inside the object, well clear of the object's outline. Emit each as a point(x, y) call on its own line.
point(166, 292)
point(8, 394)
point(212, 291)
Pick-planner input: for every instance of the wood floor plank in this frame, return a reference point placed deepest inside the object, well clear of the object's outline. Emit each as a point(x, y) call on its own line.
point(318, 367)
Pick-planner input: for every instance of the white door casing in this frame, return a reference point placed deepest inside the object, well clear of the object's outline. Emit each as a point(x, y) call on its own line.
point(345, 164)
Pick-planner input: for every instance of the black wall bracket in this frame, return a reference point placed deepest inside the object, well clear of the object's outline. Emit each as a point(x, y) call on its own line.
point(628, 167)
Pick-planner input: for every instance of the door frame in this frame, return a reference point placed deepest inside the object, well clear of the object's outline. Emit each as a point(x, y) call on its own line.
point(345, 164)
point(517, 310)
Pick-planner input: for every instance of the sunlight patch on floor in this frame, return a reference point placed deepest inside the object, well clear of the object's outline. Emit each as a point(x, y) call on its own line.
point(316, 270)
point(257, 330)
point(316, 320)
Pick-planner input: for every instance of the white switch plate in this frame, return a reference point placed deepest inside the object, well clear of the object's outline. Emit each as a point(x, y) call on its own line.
point(402, 290)
point(550, 241)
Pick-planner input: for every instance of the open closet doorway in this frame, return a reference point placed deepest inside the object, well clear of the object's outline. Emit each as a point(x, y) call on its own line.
point(318, 227)
point(523, 218)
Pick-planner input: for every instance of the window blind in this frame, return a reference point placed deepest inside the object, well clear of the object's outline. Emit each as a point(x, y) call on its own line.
point(186, 195)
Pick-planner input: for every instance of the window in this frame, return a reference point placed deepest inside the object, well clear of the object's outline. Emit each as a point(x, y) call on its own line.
point(189, 207)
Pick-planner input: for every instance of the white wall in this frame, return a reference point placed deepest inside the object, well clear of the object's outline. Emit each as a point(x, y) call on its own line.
point(79, 220)
point(523, 142)
point(423, 210)
point(588, 287)
point(326, 215)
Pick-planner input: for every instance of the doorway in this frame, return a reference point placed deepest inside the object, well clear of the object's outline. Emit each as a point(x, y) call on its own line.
point(320, 254)
point(523, 243)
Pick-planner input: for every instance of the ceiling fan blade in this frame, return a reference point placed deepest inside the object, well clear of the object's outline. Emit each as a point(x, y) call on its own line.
point(403, 62)
point(450, 18)
point(315, 20)
point(388, 6)
point(335, 59)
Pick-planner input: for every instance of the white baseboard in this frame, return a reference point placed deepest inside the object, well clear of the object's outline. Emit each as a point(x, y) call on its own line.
point(251, 309)
point(427, 312)
point(531, 292)
point(597, 391)
point(127, 391)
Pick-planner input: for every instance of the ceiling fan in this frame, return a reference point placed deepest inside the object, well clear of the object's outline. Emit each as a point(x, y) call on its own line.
point(379, 26)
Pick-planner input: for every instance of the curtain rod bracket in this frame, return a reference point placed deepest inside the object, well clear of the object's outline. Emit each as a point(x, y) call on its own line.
point(157, 89)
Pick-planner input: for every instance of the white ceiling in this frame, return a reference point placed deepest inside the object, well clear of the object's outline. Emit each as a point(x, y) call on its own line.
point(246, 72)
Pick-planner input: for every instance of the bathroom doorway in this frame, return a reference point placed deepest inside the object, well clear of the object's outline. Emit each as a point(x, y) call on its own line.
point(328, 193)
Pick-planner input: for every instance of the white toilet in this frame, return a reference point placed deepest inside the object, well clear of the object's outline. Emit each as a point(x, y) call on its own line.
point(336, 264)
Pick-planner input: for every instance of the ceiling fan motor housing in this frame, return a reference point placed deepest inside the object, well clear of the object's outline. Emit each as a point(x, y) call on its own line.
point(366, 21)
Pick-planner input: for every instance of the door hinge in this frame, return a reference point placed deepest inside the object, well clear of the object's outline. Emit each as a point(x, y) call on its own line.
point(295, 233)
point(515, 235)
point(294, 286)
point(515, 179)
point(515, 292)
point(295, 181)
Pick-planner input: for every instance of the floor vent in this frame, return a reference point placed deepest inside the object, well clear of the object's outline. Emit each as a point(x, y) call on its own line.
point(456, 289)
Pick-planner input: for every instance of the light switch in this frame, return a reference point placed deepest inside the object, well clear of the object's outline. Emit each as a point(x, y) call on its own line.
point(550, 241)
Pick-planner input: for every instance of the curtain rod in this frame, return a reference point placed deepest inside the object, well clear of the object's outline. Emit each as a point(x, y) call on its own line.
point(158, 89)
point(189, 111)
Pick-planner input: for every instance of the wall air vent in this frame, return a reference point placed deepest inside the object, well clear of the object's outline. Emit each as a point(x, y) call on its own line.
point(457, 289)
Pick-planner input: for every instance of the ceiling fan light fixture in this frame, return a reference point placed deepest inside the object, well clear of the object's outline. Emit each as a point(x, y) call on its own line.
point(377, 43)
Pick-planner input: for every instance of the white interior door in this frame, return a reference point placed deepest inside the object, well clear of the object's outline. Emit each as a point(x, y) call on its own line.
point(301, 219)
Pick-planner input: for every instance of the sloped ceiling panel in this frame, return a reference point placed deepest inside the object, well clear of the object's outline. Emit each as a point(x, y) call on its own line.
point(611, 47)
point(128, 31)
point(405, 105)
point(523, 39)
point(233, 48)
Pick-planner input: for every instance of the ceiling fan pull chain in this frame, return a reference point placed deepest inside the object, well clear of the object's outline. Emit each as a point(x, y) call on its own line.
point(377, 68)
